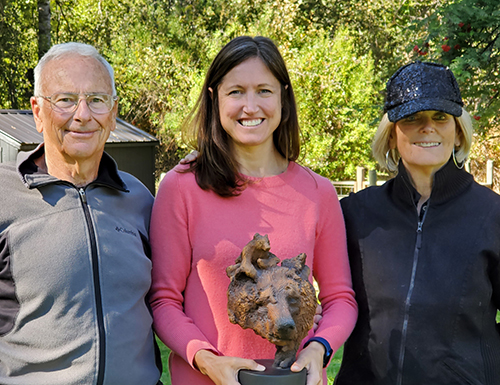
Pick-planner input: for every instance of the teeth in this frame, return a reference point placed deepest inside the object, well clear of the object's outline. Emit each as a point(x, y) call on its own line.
point(251, 123)
point(427, 144)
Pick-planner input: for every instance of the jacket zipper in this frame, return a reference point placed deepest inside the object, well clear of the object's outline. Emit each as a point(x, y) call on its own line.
point(404, 330)
point(97, 287)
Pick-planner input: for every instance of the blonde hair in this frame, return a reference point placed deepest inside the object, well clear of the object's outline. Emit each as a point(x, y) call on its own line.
point(388, 158)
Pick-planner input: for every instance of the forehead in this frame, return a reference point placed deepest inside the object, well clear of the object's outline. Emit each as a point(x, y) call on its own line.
point(251, 71)
point(75, 73)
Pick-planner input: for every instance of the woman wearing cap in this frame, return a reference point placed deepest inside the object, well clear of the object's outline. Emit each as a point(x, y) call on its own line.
point(244, 181)
point(424, 247)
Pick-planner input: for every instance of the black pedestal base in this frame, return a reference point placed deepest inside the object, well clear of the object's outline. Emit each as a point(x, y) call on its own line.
point(271, 376)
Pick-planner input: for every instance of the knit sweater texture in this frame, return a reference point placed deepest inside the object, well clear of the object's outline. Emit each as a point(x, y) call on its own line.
point(196, 234)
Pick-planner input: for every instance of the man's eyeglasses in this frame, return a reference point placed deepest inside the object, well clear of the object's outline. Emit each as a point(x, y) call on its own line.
point(68, 103)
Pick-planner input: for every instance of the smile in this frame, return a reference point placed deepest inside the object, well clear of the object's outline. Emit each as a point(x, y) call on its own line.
point(427, 144)
point(250, 123)
point(81, 134)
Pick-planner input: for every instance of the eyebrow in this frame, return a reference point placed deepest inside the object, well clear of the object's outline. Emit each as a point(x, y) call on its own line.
point(258, 85)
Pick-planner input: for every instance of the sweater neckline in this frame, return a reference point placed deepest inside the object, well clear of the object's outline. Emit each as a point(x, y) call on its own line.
point(273, 180)
point(448, 183)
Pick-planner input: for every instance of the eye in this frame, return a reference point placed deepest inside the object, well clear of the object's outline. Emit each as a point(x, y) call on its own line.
point(65, 99)
point(441, 116)
point(234, 92)
point(265, 91)
point(411, 118)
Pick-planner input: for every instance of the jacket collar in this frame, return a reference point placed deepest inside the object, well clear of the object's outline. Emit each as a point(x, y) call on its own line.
point(449, 182)
point(33, 177)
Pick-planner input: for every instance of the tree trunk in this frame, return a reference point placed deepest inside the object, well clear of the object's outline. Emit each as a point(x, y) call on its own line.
point(43, 27)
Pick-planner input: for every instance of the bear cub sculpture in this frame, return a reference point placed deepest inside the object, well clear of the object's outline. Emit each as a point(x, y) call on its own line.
point(277, 301)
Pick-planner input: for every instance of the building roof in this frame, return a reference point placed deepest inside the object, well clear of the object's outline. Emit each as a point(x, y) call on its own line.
point(19, 127)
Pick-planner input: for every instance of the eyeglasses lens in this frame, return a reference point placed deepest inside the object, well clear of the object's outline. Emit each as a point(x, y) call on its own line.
point(97, 103)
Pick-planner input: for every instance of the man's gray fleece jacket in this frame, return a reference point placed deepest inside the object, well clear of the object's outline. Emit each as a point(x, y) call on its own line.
point(74, 275)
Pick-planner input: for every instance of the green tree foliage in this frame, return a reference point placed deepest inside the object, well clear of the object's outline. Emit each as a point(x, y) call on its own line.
point(18, 52)
point(339, 54)
point(336, 98)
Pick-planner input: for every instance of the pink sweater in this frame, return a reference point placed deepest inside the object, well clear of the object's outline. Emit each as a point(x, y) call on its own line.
point(196, 234)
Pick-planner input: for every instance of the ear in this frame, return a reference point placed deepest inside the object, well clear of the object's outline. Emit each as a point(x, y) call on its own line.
point(211, 92)
point(36, 108)
point(298, 264)
point(115, 114)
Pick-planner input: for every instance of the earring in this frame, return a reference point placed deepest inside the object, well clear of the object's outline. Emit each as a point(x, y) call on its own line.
point(455, 160)
point(388, 157)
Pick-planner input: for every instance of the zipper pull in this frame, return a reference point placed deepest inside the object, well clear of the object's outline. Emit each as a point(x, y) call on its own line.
point(81, 191)
point(419, 234)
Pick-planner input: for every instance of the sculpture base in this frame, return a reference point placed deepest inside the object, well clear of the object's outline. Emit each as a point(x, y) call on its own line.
point(271, 376)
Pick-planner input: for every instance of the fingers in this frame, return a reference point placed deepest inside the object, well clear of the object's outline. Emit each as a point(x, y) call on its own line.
point(311, 358)
point(223, 370)
point(250, 365)
point(190, 157)
point(317, 317)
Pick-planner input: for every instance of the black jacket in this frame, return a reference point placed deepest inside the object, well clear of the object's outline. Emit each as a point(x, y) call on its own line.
point(427, 286)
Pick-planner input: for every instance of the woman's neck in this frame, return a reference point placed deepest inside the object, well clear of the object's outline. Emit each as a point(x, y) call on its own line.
point(422, 180)
point(260, 163)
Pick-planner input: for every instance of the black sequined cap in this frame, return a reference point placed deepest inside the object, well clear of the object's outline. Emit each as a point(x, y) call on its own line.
point(422, 87)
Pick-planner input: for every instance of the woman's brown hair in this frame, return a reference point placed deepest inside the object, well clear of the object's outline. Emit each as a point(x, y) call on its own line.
point(215, 167)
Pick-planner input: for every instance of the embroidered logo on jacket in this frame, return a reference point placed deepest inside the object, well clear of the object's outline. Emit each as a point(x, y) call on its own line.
point(125, 231)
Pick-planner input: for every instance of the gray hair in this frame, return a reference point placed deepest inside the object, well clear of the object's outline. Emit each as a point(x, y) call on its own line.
point(66, 49)
point(389, 159)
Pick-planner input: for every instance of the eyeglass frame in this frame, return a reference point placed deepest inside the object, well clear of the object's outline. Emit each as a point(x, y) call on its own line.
point(53, 106)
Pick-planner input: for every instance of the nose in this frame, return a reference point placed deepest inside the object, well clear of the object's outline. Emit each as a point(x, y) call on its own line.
point(82, 112)
point(251, 104)
point(286, 328)
point(428, 125)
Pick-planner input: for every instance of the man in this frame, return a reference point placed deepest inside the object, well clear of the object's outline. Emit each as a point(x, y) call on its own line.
point(74, 254)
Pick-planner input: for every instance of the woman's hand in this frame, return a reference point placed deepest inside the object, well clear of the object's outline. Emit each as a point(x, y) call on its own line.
point(311, 358)
point(189, 157)
point(223, 370)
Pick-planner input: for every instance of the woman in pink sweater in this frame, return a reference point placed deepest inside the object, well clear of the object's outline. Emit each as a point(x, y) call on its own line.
point(244, 181)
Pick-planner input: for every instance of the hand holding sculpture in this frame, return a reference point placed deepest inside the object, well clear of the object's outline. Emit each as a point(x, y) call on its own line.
point(277, 301)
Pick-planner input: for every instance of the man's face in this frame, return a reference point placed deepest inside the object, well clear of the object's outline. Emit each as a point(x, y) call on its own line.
point(79, 135)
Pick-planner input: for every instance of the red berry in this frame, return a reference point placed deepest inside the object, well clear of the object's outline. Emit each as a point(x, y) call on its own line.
point(461, 25)
point(445, 47)
point(416, 48)
point(477, 117)
point(457, 47)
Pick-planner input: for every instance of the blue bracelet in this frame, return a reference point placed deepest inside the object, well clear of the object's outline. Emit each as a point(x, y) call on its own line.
point(328, 349)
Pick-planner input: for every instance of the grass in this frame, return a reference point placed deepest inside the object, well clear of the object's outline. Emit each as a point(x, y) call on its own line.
point(331, 371)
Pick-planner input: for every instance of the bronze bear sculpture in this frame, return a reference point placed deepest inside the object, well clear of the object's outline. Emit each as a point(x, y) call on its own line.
point(277, 301)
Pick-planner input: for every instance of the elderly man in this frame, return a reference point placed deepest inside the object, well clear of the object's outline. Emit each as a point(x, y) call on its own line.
point(74, 254)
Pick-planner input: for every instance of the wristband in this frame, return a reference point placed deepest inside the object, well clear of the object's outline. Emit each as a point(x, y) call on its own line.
point(328, 350)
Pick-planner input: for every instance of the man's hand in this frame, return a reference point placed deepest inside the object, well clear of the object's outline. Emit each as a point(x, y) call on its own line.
point(189, 157)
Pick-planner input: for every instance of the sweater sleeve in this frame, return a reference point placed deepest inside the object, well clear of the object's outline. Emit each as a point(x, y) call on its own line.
point(332, 273)
point(171, 257)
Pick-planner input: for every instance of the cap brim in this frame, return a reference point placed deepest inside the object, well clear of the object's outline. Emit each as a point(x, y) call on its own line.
point(412, 107)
